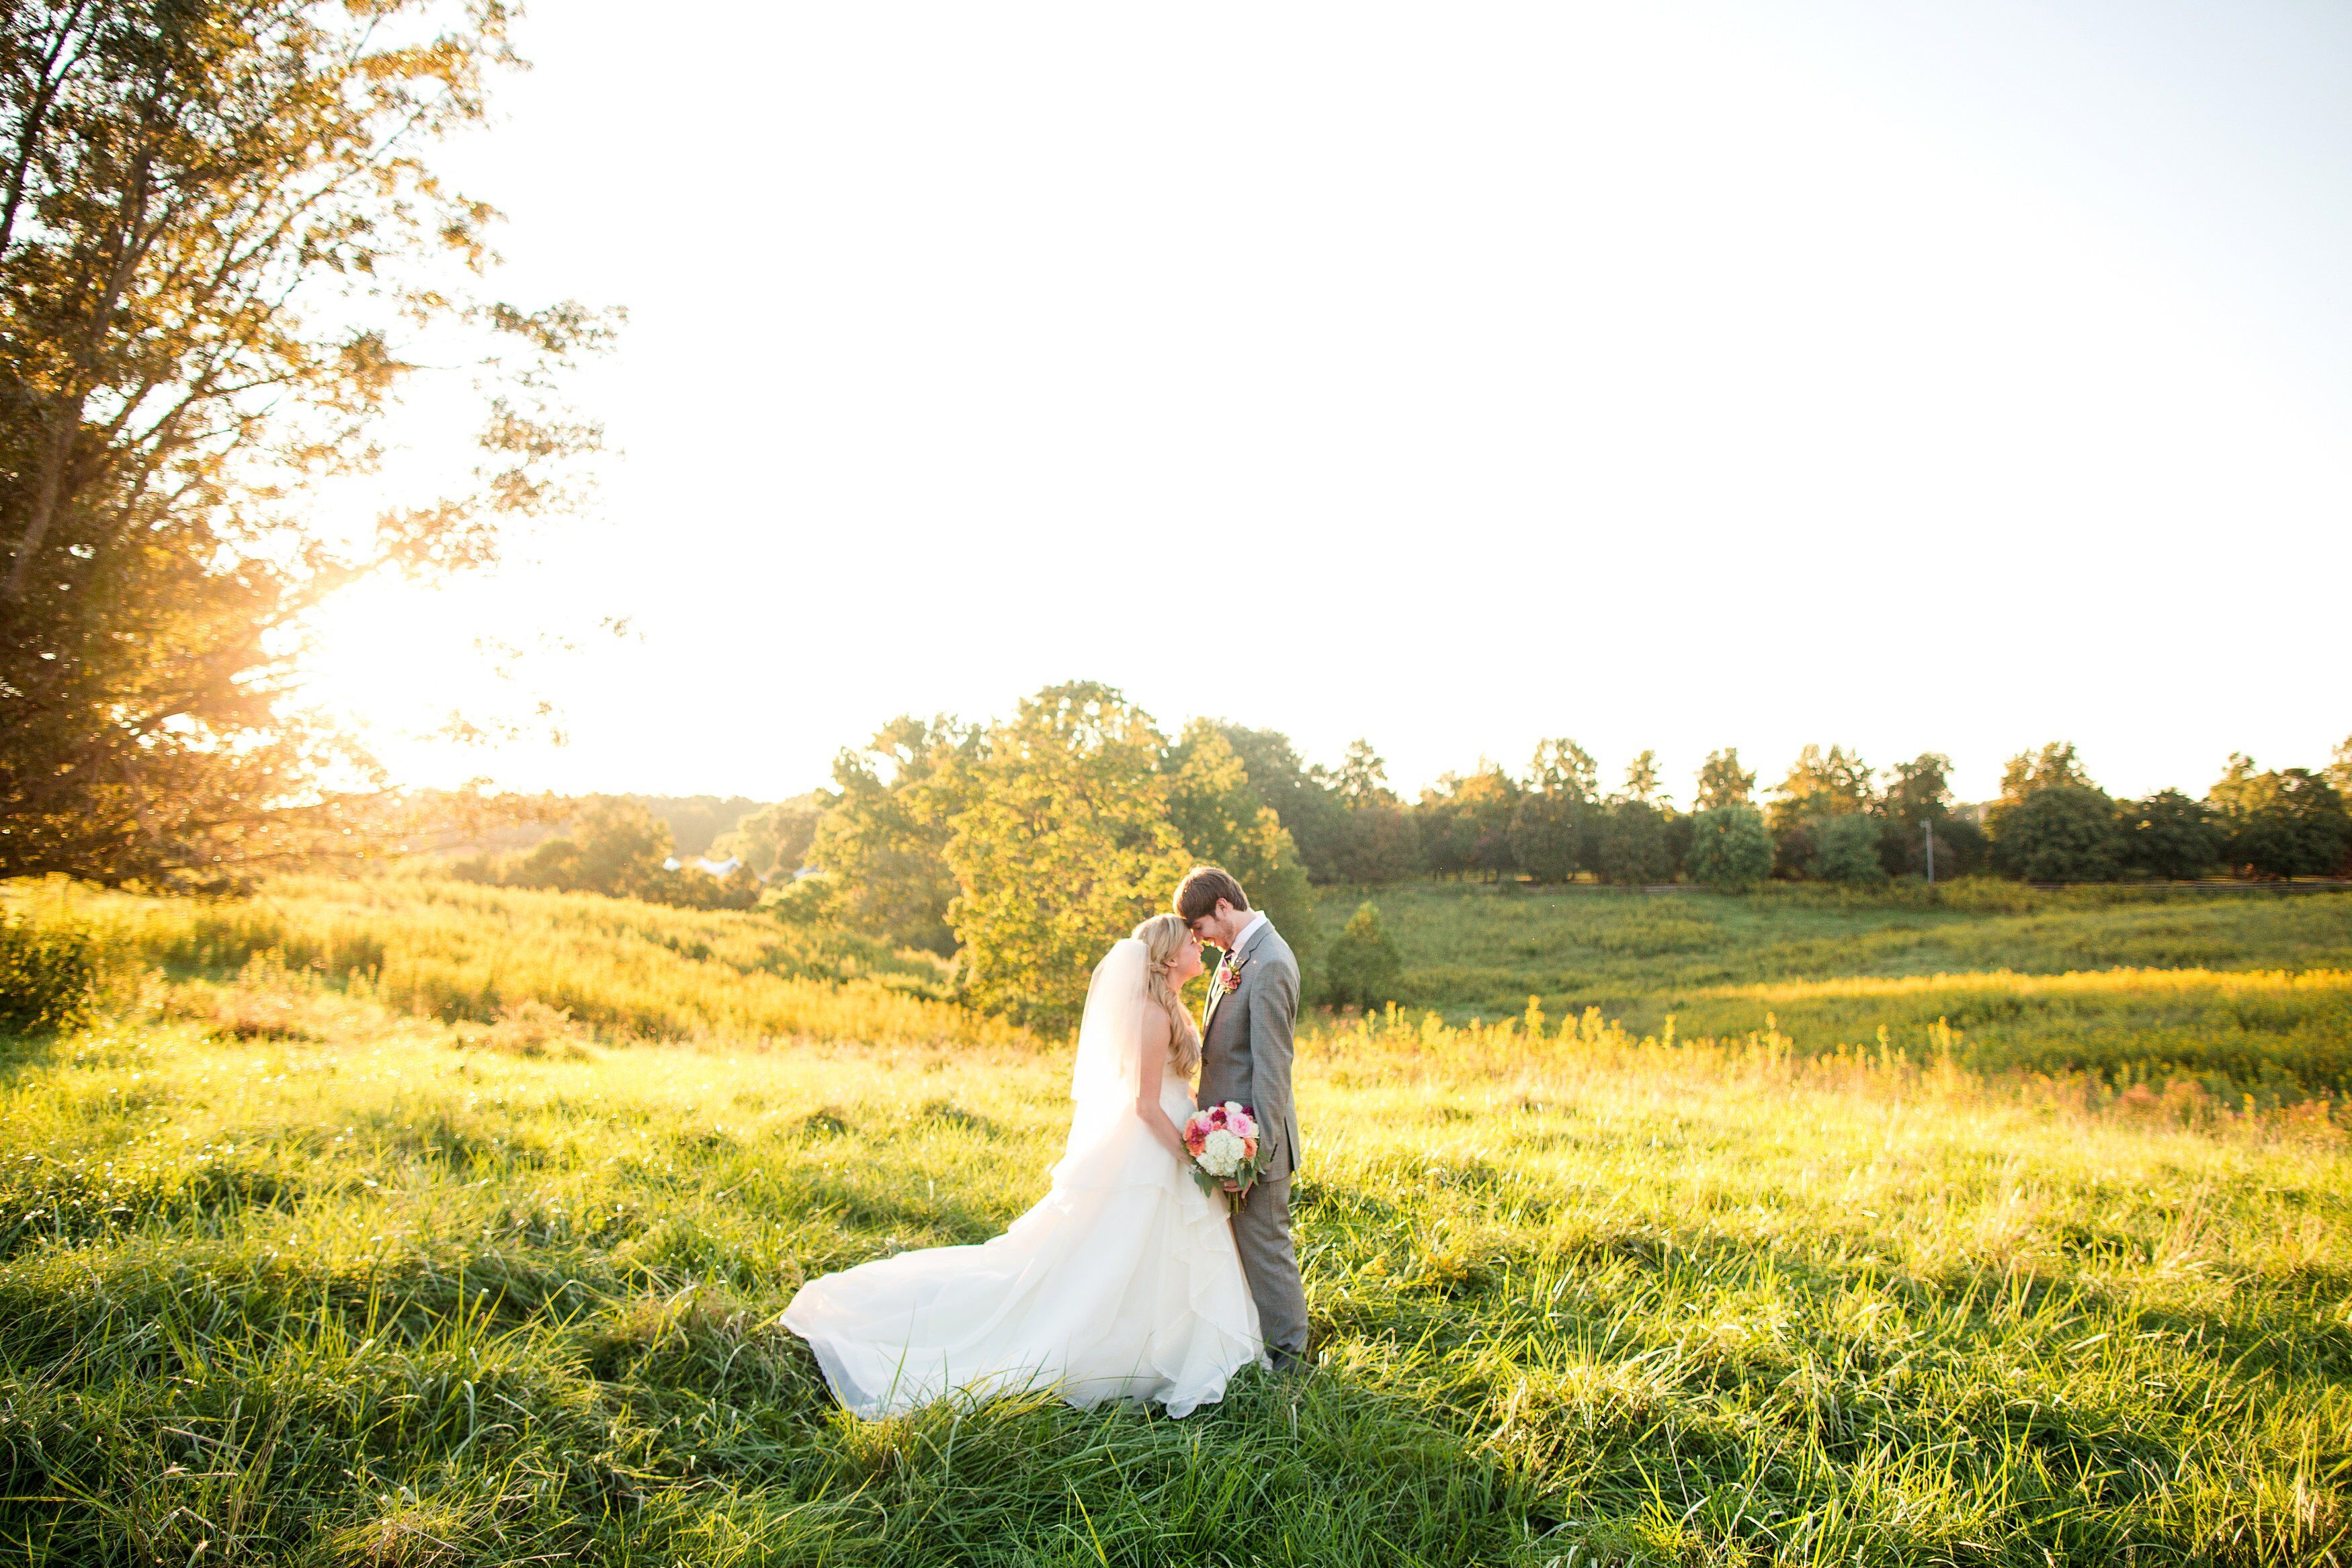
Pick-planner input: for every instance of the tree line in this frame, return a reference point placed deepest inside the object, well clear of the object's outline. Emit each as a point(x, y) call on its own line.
point(894, 815)
point(1019, 843)
point(1834, 818)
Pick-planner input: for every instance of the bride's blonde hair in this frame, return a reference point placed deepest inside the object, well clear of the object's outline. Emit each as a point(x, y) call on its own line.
point(1162, 935)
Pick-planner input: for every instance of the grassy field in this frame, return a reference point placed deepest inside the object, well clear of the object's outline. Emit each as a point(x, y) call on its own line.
point(2254, 992)
point(300, 1264)
point(455, 951)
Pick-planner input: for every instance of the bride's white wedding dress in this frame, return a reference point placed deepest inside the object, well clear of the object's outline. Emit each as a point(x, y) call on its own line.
point(1122, 1282)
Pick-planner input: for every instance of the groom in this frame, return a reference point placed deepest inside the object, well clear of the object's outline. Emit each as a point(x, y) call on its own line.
point(1246, 1057)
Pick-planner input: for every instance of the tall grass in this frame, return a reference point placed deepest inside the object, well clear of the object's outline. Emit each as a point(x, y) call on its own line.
point(452, 950)
point(2278, 1036)
point(2242, 994)
point(1472, 948)
point(368, 1288)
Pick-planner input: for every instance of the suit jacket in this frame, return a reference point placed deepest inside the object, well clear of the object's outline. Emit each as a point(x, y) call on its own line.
point(1246, 1043)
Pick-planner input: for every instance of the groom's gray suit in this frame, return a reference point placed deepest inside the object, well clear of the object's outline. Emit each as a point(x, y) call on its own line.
point(1245, 1046)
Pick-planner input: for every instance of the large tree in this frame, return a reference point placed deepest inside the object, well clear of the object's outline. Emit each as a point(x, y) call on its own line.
point(1730, 849)
point(1305, 800)
point(1555, 814)
point(2052, 823)
point(1466, 822)
point(1916, 804)
point(1631, 848)
point(222, 256)
point(2282, 823)
point(1066, 845)
point(2055, 764)
point(1820, 785)
point(2169, 835)
point(2060, 832)
point(1723, 782)
point(1376, 840)
point(1223, 819)
point(887, 837)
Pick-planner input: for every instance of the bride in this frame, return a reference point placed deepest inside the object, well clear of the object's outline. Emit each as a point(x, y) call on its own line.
point(1122, 1282)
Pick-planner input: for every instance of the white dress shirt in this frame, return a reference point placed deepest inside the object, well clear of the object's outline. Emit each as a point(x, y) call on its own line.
point(1241, 938)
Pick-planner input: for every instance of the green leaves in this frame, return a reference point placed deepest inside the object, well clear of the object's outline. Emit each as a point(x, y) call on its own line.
point(1067, 845)
point(222, 257)
point(1364, 967)
point(1730, 851)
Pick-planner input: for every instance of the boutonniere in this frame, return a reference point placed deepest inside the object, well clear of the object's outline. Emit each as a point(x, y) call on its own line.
point(1229, 975)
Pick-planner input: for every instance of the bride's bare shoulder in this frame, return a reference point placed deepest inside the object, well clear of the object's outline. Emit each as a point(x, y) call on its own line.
point(1159, 1029)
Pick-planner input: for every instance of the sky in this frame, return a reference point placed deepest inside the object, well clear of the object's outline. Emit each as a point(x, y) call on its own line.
point(1912, 378)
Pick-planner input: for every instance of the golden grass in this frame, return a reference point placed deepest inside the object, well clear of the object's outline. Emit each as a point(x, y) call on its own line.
point(295, 1278)
point(452, 950)
point(2134, 982)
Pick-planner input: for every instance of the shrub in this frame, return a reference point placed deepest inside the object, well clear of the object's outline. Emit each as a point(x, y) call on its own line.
point(47, 976)
point(1730, 848)
point(1845, 849)
point(1363, 965)
point(811, 902)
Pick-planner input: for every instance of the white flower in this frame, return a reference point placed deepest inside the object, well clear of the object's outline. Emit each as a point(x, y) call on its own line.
point(1222, 1153)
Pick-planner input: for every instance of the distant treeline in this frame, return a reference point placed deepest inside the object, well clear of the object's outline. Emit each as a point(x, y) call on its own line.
point(1018, 844)
point(1830, 818)
point(1834, 818)
point(633, 846)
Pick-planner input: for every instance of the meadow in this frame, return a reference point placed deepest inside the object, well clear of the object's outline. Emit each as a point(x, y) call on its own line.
point(456, 951)
point(317, 1260)
point(2242, 992)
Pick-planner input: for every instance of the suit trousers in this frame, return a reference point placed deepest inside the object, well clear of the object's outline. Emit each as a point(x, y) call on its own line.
point(1270, 1263)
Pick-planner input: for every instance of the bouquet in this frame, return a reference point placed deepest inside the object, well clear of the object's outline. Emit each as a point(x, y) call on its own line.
point(1223, 1143)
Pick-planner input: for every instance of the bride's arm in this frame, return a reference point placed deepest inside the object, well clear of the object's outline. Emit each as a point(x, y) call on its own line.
point(1157, 1032)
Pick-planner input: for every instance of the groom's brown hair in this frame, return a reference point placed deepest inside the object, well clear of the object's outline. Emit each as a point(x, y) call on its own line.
point(1198, 893)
